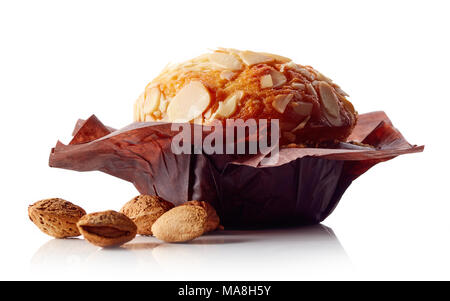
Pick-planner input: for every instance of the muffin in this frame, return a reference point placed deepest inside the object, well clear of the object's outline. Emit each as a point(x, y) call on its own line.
point(234, 84)
point(301, 185)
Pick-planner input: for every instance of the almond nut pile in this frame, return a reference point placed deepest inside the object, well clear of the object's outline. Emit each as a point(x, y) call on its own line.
point(144, 215)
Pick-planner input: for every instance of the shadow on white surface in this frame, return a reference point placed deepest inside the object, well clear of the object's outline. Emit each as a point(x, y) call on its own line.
point(290, 253)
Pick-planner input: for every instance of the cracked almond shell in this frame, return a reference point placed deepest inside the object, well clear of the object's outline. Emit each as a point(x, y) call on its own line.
point(107, 228)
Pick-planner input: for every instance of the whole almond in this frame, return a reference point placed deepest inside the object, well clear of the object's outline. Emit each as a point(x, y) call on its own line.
point(107, 228)
point(180, 224)
point(213, 220)
point(144, 210)
point(56, 217)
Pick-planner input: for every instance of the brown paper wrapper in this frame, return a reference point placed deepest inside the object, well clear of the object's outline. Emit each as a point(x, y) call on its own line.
point(303, 187)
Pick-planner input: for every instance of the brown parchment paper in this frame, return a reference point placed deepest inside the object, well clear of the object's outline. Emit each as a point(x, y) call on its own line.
point(303, 187)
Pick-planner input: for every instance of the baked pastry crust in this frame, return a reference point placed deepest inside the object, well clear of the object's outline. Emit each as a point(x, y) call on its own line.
point(230, 83)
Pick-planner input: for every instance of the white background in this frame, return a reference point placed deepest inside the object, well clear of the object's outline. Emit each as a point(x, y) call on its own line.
point(64, 60)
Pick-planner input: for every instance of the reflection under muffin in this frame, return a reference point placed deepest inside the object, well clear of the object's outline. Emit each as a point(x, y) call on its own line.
point(284, 251)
